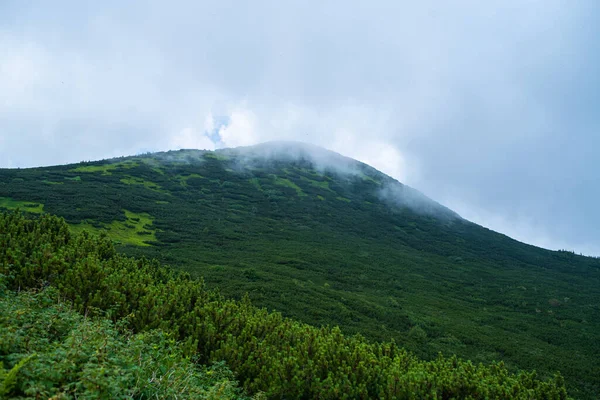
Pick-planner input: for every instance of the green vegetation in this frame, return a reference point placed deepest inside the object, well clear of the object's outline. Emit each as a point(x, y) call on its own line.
point(106, 168)
point(10, 204)
point(184, 178)
point(136, 230)
point(432, 284)
point(53, 351)
point(128, 180)
point(368, 178)
point(256, 183)
point(214, 156)
point(320, 184)
point(287, 183)
point(47, 182)
point(48, 350)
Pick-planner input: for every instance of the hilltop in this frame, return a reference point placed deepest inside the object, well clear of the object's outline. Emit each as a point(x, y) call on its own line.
point(328, 240)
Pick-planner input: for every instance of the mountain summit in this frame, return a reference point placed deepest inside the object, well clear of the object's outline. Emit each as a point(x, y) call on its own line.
point(329, 240)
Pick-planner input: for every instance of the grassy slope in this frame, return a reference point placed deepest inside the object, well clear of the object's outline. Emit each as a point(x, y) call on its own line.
point(325, 249)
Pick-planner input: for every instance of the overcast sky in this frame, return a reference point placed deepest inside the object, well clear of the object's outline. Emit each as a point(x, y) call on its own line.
point(489, 107)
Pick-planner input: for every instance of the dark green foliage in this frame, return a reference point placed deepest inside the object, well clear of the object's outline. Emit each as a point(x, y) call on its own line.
point(270, 353)
point(284, 232)
point(53, 351)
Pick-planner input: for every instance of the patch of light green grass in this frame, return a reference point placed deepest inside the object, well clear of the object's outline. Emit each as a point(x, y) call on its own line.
point(106, 168)
point(28, 206)
point(137, 230)
point(74, 178)
point(287, 183)
point(256, 183)
point(368, 178)
point(216, 156)
point(153, 164)
point(47, 182)
point(340, 198)
point(130, 180)
point(183, 179)
point(320, 184)
point(308, 171)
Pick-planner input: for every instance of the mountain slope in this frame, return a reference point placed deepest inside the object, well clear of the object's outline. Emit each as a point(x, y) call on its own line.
point(51, 349)
point(328, 240)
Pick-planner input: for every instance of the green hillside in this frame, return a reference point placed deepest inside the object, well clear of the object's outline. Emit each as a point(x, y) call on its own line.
point(149, 332)
point(330, 241)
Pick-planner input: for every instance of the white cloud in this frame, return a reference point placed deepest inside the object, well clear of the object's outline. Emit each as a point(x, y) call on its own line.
point(209, 123)
point(241, 129)
point(380, 155)
point(189, 138)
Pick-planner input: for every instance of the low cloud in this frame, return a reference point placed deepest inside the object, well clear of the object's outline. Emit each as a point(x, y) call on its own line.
point(399, 195)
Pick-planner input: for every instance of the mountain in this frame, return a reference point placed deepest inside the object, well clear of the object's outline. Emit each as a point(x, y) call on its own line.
point(328, 240)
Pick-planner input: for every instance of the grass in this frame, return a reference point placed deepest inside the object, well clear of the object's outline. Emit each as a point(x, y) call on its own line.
point(216, 156)
point(134, 231)
point(137, 230)
point(183, 179)
point(287, 183)
point(106, 169)
point(319, 184)
point(368, 178)
point(256, 183)
point(130, 180)
point(31, 207)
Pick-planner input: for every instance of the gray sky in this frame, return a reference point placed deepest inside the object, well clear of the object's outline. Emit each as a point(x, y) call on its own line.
point(489, 107)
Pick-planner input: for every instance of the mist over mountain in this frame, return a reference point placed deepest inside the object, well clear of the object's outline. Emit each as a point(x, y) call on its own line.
point(328, 240)
point(323, 161)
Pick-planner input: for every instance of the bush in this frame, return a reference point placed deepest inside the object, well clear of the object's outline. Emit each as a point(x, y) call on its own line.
point(47, 350)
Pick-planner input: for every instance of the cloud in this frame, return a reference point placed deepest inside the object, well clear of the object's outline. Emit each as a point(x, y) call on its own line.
point(241, 130)
point(188, 138)
point(209, 123)
point(380, 155)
